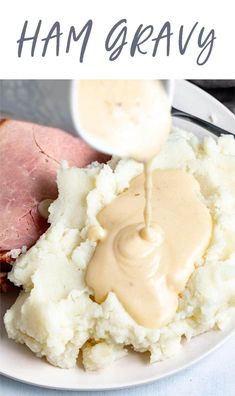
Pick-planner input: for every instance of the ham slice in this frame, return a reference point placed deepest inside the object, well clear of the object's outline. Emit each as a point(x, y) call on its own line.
point(29, 159)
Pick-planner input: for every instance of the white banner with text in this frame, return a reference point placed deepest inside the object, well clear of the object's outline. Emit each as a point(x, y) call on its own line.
point(121, 39)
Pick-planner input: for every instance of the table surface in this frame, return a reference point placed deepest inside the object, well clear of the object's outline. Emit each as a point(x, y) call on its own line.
point(213, 376)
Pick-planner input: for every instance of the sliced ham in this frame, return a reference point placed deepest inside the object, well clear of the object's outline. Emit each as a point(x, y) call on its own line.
point(29, 159)
point(5, 284)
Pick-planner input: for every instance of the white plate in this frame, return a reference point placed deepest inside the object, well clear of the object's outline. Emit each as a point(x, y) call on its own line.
point(19, 363)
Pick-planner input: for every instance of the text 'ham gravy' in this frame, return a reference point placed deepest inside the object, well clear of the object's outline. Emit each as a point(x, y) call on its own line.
point(147, 246)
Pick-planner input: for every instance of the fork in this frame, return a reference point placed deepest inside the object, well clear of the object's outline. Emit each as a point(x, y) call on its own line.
point(196, 120)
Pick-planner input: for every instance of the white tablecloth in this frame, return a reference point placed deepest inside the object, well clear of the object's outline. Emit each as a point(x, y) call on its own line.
point(213, 376)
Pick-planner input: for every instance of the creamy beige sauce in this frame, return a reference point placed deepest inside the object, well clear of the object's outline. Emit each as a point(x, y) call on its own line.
point(96, 233)
point(130, 117)
point(148, 275)
point(150, 237)
point(147, 231)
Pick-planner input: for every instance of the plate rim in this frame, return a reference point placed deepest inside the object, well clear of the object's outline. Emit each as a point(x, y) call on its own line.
point(128, 385)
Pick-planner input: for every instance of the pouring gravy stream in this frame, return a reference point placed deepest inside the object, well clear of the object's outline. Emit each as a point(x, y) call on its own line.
point(151, 236)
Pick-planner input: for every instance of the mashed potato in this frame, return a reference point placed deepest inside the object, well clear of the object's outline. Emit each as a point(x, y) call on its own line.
point(54, 315)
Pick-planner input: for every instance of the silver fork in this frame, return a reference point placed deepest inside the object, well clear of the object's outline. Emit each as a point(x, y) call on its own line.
point(196, 120)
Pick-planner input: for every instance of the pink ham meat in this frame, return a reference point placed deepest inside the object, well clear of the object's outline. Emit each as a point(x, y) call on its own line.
point(30, 156)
